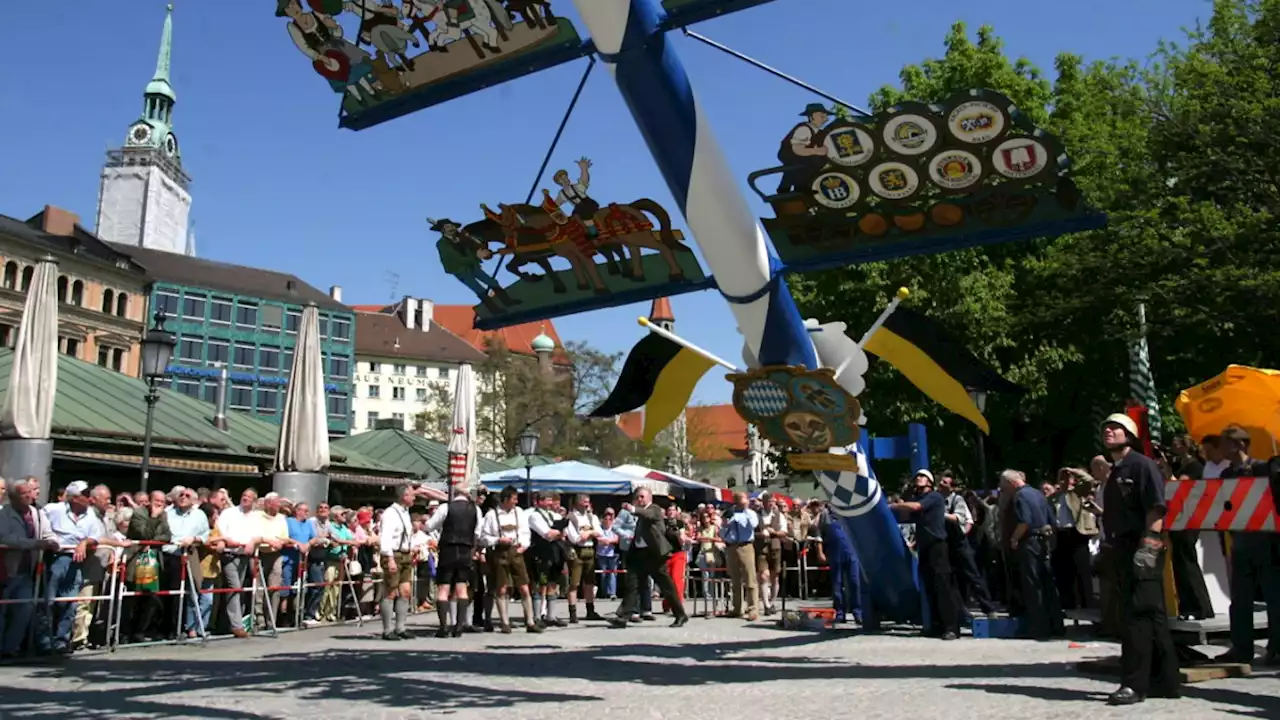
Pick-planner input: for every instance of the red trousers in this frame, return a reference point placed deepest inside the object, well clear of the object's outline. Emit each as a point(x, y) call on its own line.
point(676, 565)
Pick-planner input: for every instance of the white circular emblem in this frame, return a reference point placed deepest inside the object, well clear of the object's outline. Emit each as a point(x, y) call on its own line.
point(1020, 158)
point(910, 134)
point(849, 146)
point(835, 190)
point(893, 180)
point(976, 122)
point(955, 169)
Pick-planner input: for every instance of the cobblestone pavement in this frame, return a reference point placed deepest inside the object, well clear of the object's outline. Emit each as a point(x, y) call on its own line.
point(649, 672)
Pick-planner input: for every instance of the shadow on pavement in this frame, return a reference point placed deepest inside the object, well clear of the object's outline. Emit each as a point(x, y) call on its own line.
point(1250, 704)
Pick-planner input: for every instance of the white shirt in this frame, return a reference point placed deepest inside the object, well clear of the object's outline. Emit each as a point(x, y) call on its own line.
point(801, 136)
point(573, 194)
point(579, 521)
point(958, 507)
point(397, 530)
point(540, 521)
point(419, 546)
point(436, 521)
point(237, 526)
point(511, 524)
point(1213, 470)
point(766, 521)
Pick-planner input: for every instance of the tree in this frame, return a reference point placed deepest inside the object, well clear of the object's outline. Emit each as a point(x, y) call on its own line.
point(436, 422)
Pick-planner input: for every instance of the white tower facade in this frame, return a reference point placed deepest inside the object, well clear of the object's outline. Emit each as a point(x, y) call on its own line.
point(144, 198)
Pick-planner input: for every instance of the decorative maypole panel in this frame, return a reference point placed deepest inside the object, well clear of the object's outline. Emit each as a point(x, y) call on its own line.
point(1142, 384)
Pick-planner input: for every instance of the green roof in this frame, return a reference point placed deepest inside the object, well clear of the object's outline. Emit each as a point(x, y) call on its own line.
point(423, 457)
point(103, 411)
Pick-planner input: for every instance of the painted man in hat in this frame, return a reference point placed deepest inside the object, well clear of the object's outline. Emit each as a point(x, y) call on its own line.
point(799, 151)
point(460, 255)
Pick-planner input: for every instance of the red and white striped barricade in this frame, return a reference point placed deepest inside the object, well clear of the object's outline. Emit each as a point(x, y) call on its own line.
point(1240, 504)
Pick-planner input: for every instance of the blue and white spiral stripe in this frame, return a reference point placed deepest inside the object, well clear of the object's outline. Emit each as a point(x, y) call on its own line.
point(628, 35)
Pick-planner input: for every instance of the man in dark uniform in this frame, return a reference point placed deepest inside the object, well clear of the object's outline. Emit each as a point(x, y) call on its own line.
point(837, 552)
point(928, 509)
point(799, 151)
point(1133, 516)
point(650, 549)
point(1032, 542)
point(1255, 563)
point(459, 524)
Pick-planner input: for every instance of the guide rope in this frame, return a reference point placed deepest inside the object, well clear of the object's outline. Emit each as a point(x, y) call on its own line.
point(560, 130)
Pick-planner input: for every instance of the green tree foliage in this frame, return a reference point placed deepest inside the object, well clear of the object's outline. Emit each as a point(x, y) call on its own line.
point(436, 422)
point(1181, 152)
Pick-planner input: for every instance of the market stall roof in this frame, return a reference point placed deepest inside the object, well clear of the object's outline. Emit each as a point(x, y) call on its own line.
point(563, 477)
point(517, 461)
point(100, 416)
point(786, 501)
point(689, 488)
point(425, 458)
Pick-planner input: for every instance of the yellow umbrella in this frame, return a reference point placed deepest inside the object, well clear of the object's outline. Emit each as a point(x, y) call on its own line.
point(1244, 396)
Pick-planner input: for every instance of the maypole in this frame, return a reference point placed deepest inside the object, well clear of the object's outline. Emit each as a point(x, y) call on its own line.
point(630, 38)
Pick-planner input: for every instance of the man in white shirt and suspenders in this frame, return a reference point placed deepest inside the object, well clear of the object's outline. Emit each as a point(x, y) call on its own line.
point(768, 541)
point(581, 534)
point(506, 532)
point(397, 564)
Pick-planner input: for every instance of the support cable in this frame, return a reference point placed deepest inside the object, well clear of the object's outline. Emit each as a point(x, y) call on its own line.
point(773, 71)
point(560, 130)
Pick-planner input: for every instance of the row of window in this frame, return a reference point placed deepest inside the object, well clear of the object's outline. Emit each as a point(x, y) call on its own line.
point(371, 421)
point(70, 292)
point(400, 370)
point(258, 398)
point(247, 356)
point(398, 393)
point(244, 314)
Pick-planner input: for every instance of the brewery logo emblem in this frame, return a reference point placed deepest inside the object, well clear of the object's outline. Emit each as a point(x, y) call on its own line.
point(976, 122)
point(910, 134)
point(1020, 158)
point(955, 169)
point(893, 180)
point(835, 190)
point(849, 146)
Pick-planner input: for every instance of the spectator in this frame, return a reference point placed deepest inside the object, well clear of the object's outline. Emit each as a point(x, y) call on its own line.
point(239, 530)
point(25, 530)
point(738, 532)
point(607, 556)
point(95, 570)
point(78, 532)
point(188, 526)
point(210, 557)
point(273, 538)
point(149, 525)
point(302, 534)
point(318, 560)
point(341, 539)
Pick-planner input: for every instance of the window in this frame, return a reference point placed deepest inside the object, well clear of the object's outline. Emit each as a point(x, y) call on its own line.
point(108, 301)
point(191, 350)
point(268, 398)
point(211, 391)
point(397, 393)
point(269, 357)
point(219, 352)
point(340, 329)
point(375, 368)
point(375, 391)
point(6, 335)
point(62, 288)
point(241, 396)
point(77, 293)
point(193, 306)
point(339, 367)
point(117, 360)
point(371, 421)
point(442, 373)
point(220, 310)
point(422, 394)
point(292, 319)
point(399, 369)
point(11, 275)
point(167, 303)
point(69, 346)
point(399, 418)
point(190, 388)
point(421, 371)
point(104, 356)
point(324, 326)
point(246, 315)
point(28, 272)
point(243, 355)
point(271, 317)
point(339, 405)
point(287, 357)
point(122, 305)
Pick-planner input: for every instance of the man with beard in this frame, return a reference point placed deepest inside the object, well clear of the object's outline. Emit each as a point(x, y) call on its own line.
point(458, 522)
point(1133, 516)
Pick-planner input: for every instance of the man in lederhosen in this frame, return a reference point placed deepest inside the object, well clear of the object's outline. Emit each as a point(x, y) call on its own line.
point(800, 153)
point(584, 208)
point(547, 537)
point(506, 534)
point(459, 525)
point(768, 541)
point(581, 534)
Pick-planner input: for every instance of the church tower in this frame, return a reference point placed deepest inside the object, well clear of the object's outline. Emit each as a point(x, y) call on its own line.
point(144, 197)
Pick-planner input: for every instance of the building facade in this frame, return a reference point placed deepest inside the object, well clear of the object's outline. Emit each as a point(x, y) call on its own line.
point(406, 366)
point(144, 198)
point(246, 319)
point(102, 293)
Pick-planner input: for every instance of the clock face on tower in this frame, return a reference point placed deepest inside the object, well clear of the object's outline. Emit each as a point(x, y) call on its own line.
point(171, 145)
point(139, 134)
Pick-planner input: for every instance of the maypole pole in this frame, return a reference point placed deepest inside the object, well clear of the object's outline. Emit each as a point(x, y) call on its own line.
point(630, 38)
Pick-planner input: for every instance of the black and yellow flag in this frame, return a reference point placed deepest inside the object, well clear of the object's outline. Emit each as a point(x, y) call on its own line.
point(660, 376)
point(936, 362)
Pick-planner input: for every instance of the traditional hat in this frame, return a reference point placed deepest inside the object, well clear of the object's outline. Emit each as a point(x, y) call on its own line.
point(438, 225)
point(812, 108)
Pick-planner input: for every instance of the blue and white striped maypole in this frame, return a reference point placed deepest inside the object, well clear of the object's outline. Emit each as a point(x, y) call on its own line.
point(628, 35)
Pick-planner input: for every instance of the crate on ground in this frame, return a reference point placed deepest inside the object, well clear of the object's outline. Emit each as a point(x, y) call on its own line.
point(999, 626)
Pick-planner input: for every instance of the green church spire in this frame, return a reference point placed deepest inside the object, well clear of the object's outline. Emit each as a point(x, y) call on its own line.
point(159, 84)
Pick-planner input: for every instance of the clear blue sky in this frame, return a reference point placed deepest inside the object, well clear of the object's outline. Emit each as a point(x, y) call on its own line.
point(278, 185)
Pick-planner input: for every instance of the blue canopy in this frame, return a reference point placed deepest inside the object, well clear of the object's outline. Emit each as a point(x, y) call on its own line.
point(562, 477)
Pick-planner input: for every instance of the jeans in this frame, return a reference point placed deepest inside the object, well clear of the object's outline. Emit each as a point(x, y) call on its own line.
point(707, 571)
point(315, 576)
point(58, 618)
point(15, 620)
point(608, 565)
point(202, 604)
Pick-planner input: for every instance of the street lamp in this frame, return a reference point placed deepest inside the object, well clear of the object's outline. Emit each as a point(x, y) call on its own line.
point(528, 448)
point(979, 398)
point(157, 350)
